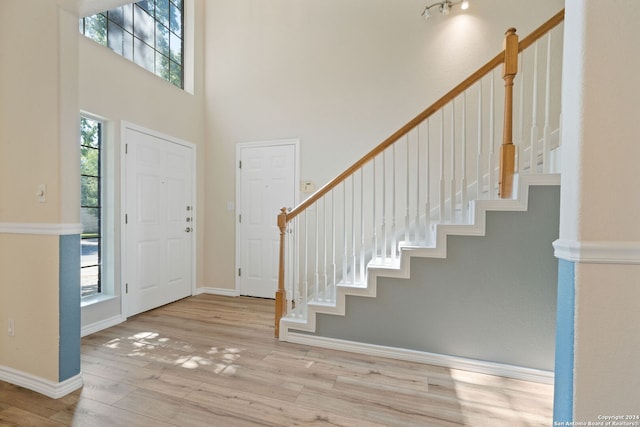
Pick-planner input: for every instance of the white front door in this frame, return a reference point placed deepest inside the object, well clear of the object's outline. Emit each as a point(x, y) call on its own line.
point(267, 184)
point(159, 221)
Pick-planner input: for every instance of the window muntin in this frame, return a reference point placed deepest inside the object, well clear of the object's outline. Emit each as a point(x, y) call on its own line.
point(91, 206)
point(149, 33)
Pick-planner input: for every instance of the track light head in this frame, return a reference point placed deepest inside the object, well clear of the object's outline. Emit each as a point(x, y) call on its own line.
point(444, 7)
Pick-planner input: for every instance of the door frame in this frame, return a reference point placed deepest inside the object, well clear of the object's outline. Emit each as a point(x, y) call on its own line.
point(124, 127)
point(295, 142)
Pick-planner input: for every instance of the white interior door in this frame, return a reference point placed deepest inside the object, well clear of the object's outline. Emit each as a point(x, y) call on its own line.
point(267, 184)
point(159, 221)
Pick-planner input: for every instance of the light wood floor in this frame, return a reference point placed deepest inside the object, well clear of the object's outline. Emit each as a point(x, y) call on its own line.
point(213, 361)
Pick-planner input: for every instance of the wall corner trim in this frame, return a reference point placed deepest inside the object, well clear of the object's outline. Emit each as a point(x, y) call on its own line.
point(597, 252)
point(40, 385)
point(40, 228)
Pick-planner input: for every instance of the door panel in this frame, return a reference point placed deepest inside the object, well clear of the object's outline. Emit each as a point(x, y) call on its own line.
point(158, 207)
point(267, 183)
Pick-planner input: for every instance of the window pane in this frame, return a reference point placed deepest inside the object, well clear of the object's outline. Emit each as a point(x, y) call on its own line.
point(90, 252)
point(89, 161)
point(115, 37)
point(143, 55)
point(89, 132)
point(146, 5)
point(117, 16)
point(162, 39)
point(162, 66)
point(90, 277)
point(176, 74)
point(127, 18)
point(143, 26)
point(176, 20)
point(162, 11)
point(95, 27)
point(176, 48)
point(127, 45)
point(90, 218)
point(178, 3)
point(89, 196)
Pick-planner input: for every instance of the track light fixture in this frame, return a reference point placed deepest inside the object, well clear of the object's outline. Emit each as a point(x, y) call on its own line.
point(444, 7)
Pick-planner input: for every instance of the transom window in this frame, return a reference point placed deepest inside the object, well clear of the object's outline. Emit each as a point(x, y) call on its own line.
point(149, 33)
point(91, 206)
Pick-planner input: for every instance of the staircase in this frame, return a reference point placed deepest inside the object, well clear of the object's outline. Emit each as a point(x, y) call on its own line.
point(437, 176)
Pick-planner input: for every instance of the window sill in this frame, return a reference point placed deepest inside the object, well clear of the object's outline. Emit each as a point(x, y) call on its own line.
point(95, 299)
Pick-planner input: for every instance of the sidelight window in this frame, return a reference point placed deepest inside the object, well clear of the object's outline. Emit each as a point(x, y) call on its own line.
point(91, 206)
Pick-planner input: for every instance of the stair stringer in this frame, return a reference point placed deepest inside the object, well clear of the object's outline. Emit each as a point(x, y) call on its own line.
point(401, 266)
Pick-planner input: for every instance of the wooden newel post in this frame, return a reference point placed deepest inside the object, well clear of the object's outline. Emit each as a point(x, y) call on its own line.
point(508, 150)
point(281, 293)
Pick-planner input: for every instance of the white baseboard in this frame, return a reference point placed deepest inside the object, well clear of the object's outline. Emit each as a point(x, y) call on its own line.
point(217, 291)
point(452, 362)
point(40, 385)
point(102, 324)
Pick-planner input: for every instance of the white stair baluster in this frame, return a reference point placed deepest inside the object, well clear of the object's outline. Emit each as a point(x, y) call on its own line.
point(492, 126)
point(305, 287)
point(316, 291)
point(479, 169)
point(441, 195)
point(393, 203)
point(463, 160)
point(417, 219)
point(334, 276)
point(533, 165)
point(324, 249)
point(374, 235)
point(407, 221)
point(384, 206)
point(427, 204)
point(546, 141)
point(362, 245)
point(521, 143)
point(345, 240)
point(452, 186)
point(354, 262)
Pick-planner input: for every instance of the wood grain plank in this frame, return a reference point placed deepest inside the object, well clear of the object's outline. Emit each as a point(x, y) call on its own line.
point(212, 361)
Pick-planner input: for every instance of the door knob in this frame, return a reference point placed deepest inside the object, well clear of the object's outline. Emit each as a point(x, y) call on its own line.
point(188, 229)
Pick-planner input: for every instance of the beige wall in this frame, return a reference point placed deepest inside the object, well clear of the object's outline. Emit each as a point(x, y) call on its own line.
point(29, 105)
point(29, 296)
point(38, 145)
point(607, 366)
point(339, 75)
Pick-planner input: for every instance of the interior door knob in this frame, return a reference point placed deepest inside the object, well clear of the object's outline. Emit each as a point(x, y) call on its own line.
point(188, 229)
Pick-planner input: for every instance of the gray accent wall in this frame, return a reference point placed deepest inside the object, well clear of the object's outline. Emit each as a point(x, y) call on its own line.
point(69, 355)
point(492, 299)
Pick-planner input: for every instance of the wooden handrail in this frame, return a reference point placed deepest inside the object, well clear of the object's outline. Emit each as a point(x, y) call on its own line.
point(507, 150)
point(541, 31)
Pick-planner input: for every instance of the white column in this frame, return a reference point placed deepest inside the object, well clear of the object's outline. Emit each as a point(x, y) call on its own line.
point(599, 244)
